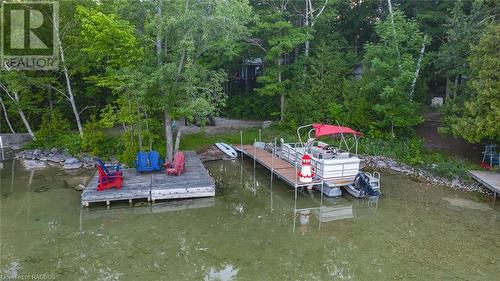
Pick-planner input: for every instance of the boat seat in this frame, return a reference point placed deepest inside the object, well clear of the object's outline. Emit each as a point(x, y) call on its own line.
point(342, 155)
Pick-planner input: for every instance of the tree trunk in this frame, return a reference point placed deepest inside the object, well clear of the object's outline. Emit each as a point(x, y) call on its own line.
point(168, 137)
point(6, 116)
point(282, 98)
point(455, 87)
point(391, 14)
point(178, 139)
point(158, 34)
point(51, 101)
point(68, 86)
point(447, 91)
point(306, 23)
point(23, 118)
point(417, 70)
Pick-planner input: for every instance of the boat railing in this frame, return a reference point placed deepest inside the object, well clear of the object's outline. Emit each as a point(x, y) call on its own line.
point(344, 172)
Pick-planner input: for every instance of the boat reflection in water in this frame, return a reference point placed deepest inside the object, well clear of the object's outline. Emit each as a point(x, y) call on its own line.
point(323, 214)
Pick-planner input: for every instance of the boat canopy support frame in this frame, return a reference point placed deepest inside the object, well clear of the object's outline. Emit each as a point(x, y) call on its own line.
point(331, 130)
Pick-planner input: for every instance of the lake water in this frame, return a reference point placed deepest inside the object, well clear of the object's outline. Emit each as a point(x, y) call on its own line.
point(247, 232)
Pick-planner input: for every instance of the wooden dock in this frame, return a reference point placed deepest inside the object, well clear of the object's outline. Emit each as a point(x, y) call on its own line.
point(279, 167)
point(490, 180)
point(195, 182)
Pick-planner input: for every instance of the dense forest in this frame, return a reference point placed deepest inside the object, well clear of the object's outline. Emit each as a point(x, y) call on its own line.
point(375, 65)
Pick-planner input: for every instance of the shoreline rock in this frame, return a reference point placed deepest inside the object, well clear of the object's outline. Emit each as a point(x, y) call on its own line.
point(72, 163)
point(212, 153)
point(386, 163)
point(56, 157)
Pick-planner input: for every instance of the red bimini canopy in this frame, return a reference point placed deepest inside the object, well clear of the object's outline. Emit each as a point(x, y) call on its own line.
point(325, 130)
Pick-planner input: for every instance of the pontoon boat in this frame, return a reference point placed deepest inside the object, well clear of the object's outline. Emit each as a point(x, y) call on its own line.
point(336, 165)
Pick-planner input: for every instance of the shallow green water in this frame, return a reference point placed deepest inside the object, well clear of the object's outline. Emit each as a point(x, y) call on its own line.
point(414, 232)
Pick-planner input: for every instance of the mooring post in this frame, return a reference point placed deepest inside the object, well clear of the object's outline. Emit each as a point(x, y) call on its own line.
point(260, 134)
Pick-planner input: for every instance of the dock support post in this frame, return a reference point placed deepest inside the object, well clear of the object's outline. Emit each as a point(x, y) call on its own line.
point(241, 143)
point(321, 199)
point(81, 220)
point(260, 134)
point(273, 150)
point(295, 207)
point(107, 204)
point(254, 164)
point(130, 202)
point(1, 148)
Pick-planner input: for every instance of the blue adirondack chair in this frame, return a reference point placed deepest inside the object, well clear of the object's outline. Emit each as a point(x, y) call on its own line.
point(491, 156)
point(148, 161)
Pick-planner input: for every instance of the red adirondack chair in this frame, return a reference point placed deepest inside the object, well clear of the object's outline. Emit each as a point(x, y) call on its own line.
point(178, 166)
point(107, 181)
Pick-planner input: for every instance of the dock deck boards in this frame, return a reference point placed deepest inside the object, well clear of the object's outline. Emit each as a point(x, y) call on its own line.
point(281, 168)
point(195, 182)
point(491, 180)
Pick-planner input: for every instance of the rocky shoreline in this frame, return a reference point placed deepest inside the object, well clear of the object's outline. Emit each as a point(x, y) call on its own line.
point(386, 163)
point(37, 158)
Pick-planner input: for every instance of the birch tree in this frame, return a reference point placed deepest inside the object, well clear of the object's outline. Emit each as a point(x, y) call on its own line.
point(6, 115)
point(393, 65)
point(311, 14)
point(275, 37)
point(11, 83)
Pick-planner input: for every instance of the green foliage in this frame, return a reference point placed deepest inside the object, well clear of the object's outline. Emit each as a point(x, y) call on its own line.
point(279, 37)
point(463, 30)
point(108, 39)
point(97, 142)
point(447, 166)
point(319, 94)
point(72, 143)
point(409, 151)
point(390, 69)
point(53, 129)
point(251, 107)
point(479, 117)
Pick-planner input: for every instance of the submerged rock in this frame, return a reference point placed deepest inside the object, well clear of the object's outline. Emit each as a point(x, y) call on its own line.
point(80, 187)
point(211, 153)
point(42, 188)
point(141, 204)
point(34, 164)
point(72, 163)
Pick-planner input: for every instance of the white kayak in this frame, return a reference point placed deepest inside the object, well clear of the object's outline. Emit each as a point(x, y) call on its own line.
point(227, 149)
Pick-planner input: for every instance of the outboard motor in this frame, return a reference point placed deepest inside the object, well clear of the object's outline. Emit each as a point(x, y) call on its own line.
point(362, 183)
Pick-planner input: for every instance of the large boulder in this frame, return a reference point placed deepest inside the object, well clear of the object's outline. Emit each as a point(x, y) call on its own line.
point(437, 101)
point(72, 163)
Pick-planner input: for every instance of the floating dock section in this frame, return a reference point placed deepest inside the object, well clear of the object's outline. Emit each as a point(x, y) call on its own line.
point(490, 180)
point(195, 182)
